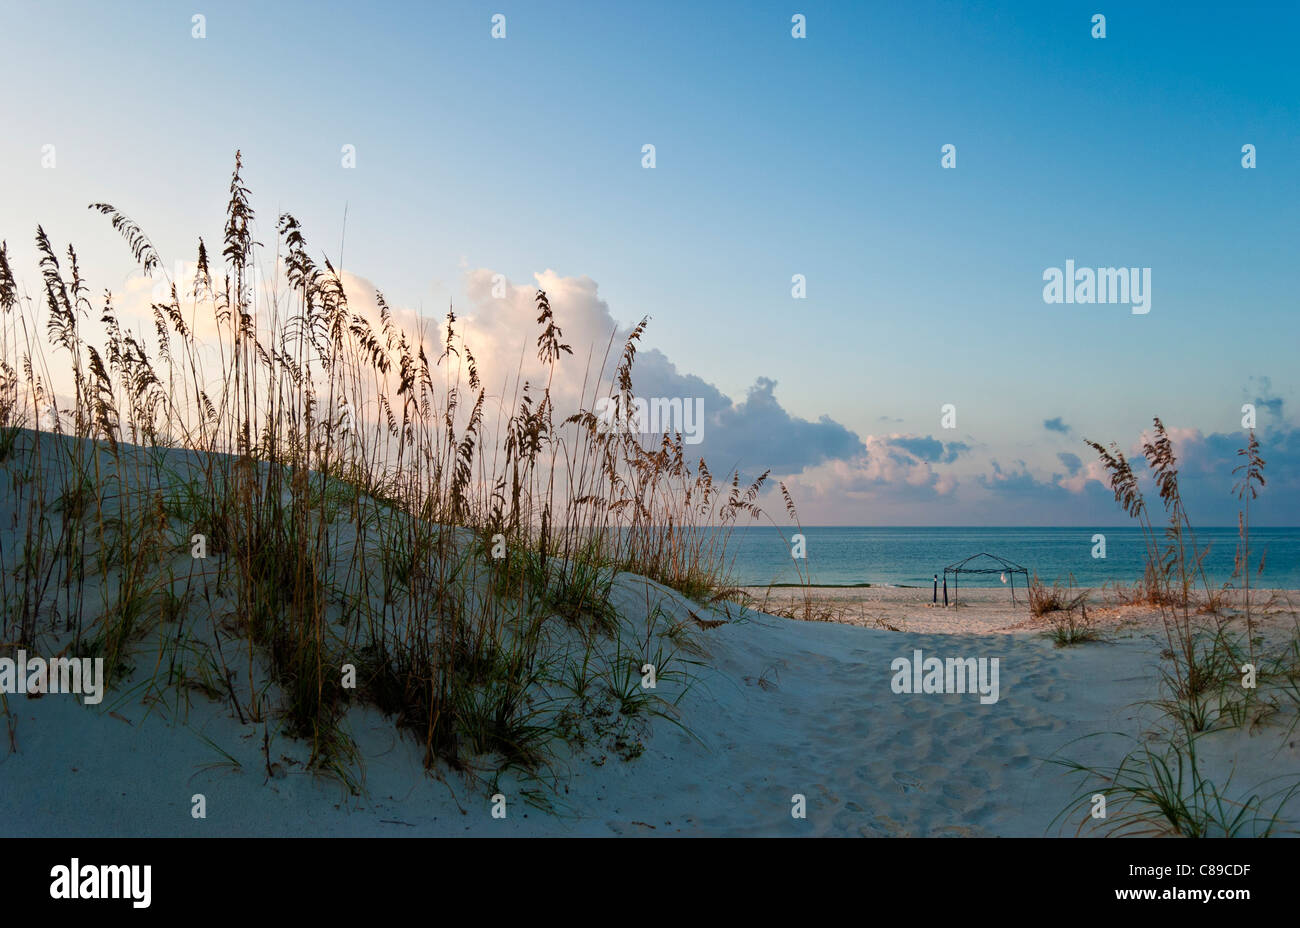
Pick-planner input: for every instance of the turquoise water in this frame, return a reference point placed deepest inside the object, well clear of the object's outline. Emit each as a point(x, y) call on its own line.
point(912, 556)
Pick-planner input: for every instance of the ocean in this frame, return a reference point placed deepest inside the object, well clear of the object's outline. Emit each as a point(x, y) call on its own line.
point(912, 556)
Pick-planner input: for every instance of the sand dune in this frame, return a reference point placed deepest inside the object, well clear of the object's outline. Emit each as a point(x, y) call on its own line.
point(778, 709)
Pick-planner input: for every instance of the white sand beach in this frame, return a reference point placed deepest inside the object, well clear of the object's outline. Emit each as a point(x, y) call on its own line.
point(778, 708)
point(988, 611)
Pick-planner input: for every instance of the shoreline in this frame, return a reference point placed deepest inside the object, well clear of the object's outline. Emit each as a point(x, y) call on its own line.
point(984, 610)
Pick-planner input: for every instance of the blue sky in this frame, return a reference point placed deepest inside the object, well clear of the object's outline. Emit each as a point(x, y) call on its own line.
point(775, 156)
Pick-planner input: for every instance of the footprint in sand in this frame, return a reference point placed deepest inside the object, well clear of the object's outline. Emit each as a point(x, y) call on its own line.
point(883, 827)
point(907, 784)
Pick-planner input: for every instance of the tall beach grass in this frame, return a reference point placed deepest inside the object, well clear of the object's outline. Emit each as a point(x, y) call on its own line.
point(307, 506)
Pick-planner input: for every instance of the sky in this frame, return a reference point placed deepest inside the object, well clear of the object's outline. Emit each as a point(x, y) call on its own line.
point(775, 156)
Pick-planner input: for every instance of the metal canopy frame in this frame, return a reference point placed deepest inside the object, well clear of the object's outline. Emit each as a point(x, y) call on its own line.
point(1004, 566)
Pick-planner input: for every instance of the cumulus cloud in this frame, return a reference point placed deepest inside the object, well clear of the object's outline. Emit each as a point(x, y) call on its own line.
point(884, 483)
point(929, 448)
point(1265, 399)
point(1071, 462)
point(836, 474)
point(1206, 479)
point(1017, 480)
point(751, 434)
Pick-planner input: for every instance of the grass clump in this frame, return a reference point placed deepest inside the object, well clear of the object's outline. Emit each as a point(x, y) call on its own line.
point(309, 493)
point(1217, 674)
point(1065, 608)
point(1163, 791)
